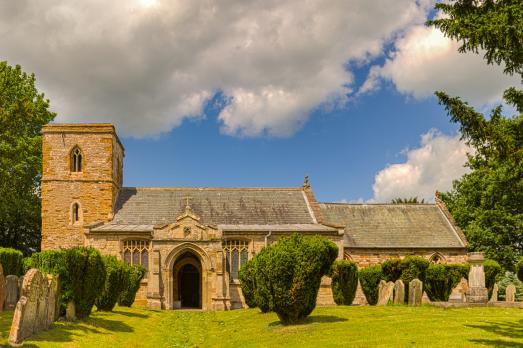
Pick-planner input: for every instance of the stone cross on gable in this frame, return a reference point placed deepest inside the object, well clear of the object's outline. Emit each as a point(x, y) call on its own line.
point(187, 205)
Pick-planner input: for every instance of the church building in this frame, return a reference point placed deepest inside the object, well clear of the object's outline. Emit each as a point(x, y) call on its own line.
point(194, 240)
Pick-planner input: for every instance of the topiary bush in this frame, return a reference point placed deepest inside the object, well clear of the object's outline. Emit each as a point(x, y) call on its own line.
point(135, 274)
point(370, 279)
point(492, 271)
point(116, 280)
point(519, 269)
point(344, 275)
point(248, 282)
point(86, 277)
point(391, 269)
point(440, 279)
point(413, 267)
point(288, 275)
point(12, 261)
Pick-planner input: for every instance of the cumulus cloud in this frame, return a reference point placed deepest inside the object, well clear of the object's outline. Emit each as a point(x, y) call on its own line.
point(424, 61)
point(433, 166)
point(147, 65)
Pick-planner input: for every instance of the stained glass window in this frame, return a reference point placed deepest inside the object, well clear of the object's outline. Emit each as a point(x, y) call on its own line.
point(236, 255)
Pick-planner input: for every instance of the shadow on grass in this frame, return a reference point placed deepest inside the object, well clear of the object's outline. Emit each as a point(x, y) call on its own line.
point(132, 315)
point(511, 330)
point(313, 319)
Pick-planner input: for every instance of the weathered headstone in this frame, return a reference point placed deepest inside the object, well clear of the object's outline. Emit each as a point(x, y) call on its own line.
point(70, 311)
point(399, 292)
point(425, 298)
point(494, 297)
point(415, 292)
point(458, 293)
point(476, 292)
point(359, 298)
point(52, 299)
point(2, 289)
point(510, 293)
point(385, 293)
point(11, 287)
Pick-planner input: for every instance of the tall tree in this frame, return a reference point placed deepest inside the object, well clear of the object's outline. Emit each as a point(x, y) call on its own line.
point(410, 200)
point(23, 112)
point(488, 202)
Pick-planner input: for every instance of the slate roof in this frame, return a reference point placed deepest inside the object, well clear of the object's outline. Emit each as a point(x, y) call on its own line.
point(215, 206)
point(393, 225)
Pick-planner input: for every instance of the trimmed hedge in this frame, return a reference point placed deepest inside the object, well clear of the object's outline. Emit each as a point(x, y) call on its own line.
point(248, 282)
point(344, 275)
point(288, 275)
point(413, 267)
point(12, 261)
point(116, 280)
point(440, 279)
point(370, 279)
point(492, 271)
point(391, 269)
point(135, 274)
point(519, 269)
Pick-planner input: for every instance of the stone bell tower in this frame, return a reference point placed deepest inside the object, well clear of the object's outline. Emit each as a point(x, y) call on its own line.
point(81, 178)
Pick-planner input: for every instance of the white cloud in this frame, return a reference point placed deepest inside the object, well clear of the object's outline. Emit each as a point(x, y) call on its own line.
point(433, 166)
point(425, 60)
point(149, 64)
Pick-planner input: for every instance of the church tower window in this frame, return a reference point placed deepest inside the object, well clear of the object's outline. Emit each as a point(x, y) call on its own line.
point(76, 159)
point(75, 213)
point(136, 252)
point(236, 255)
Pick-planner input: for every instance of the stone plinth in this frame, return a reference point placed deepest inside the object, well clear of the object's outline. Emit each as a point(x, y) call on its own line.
point(476, 292)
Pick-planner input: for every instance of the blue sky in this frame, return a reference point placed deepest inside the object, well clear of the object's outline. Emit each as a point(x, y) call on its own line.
point(259, 93)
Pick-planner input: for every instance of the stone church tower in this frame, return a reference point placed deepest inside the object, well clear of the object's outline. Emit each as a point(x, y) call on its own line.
point(82, 175)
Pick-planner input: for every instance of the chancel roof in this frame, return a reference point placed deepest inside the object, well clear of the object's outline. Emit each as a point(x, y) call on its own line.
point(216, 206)
point(393, 225)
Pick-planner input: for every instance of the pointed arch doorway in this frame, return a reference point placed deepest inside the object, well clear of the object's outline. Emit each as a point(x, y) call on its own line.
point(187, 273)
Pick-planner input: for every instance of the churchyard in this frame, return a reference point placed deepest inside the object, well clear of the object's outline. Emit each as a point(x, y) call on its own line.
point(355, 326)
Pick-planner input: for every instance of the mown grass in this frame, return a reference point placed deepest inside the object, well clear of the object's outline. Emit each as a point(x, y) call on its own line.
point(392, 326)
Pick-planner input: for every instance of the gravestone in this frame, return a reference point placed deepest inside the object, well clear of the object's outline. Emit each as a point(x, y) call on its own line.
point(70, 311)
point(476, 292)
point(425, 298)
point(359, 298)
point(494, 297)
point(385, 293)
point(399, 292)
point(458, 293)
point(510, 293)
point(11, 287)
point(415, 292)
point(2, 289)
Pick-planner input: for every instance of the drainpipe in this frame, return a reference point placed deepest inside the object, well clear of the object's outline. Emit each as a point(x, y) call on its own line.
point(267, 236)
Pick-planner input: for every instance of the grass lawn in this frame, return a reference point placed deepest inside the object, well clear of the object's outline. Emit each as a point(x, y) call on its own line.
point(392, 326)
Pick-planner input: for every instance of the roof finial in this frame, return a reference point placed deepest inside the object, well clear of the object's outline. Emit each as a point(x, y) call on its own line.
point(306, 182)
point(187, 205)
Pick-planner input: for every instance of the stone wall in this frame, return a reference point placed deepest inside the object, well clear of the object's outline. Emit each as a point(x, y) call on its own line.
point(94, 188)
point(37, 308)
point(367, 257)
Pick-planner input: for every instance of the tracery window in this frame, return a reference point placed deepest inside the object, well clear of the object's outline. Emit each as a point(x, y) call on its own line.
point(136, 252)
point(436, 258)
point(75, 213)
point(76, 160)
point(236, 255)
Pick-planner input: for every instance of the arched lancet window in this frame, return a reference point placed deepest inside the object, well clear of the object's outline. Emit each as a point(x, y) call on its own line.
point(76, 159)
point(75, 213)
point(136, 252)
point(236, 255)
point(437, 258)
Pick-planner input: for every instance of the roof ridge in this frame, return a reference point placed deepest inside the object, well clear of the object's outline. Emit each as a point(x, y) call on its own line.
point(210, 188)
point(387, 204)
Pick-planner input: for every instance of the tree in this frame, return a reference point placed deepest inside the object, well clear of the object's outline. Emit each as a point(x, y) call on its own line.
point(23, 112)
point(411, 200)
point(487, 203)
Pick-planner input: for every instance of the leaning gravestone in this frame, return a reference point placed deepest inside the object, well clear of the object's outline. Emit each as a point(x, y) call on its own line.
point(2, 288)
point(510, 293)
point(399, 292)
point(11, 287)
point(494, 297)
point(476, 292)
point(385, 293)
point(425, 298)
point(415, 292)
point(359, 298)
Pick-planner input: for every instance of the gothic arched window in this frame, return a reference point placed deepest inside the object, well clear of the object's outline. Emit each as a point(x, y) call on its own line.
point(136, 252)
point(236, 255)
point(75, 213)
point(437, 258)
point(76, 159)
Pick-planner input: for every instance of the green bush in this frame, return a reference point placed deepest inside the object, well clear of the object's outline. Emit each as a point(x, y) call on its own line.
point(413, 267)
point(86, 276)
point(519, 269)
point(135, 274)
point(288, 275)
point(248, 282)
point(391, 269)
point(116, 280)
point(440, 279)
point(492, 271)
point(344, 275)
point(370, 279)
point(11, 261)
point(505, 280)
